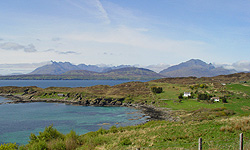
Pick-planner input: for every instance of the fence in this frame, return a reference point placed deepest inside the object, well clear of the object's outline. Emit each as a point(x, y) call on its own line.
point(200, 143)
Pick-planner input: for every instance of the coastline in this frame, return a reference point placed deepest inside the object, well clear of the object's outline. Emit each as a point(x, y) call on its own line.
point(154, 113)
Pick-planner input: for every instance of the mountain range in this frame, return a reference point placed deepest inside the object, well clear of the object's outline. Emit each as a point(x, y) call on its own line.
point(66, 70)
point(57, 68)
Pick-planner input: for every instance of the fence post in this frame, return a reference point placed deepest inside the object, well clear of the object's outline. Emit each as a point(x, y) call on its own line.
point(241, 141)
point(137, 148)
point(200, 144)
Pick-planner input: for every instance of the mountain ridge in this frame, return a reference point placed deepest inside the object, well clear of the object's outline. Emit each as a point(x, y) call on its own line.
point(192, 67)
point(57, 68)
point(196, 68)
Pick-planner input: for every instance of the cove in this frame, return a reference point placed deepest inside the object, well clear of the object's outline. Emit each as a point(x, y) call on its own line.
point(17, 121)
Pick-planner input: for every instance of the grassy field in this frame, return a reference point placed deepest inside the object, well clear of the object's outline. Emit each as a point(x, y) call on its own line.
point(216, 134)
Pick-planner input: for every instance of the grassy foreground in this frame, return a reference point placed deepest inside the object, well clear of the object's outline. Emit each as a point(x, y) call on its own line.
point(216, 134)
point(217, 123)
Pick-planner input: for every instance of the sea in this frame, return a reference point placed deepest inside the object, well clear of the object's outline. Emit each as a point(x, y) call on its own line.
point(18, 121)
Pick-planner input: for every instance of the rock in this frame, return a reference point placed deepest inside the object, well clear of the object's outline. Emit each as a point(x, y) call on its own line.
point(118, 103)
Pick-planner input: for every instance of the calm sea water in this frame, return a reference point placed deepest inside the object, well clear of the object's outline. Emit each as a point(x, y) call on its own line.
point(61, 83)
point(17, 121)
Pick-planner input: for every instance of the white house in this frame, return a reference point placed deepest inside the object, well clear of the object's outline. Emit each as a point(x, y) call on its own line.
point(186, 94)
point(215, 99)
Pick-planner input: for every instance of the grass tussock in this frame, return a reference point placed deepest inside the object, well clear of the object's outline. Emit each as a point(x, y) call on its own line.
point(237, 124)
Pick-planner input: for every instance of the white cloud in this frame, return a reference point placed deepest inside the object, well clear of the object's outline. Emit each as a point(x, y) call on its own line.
point(15, 47)
point(6, 69)
point(102, 11)
point(30, 48)
point(56, 39)
point(93, 7)
point(11, 46)
point(239, 66)
point(158, 67)
point(133, 37)
point(61, 52)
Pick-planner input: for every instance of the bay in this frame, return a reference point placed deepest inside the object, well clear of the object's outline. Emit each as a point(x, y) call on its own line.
point(17, 121)
point(62, 83)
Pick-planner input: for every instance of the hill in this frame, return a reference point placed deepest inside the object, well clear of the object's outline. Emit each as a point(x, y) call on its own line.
point(196, 68)
point(122, 73)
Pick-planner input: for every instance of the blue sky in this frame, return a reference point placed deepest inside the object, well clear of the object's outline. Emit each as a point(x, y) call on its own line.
point(129, 32)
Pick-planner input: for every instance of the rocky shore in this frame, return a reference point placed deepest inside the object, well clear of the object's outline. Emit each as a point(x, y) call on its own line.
point(153, 112)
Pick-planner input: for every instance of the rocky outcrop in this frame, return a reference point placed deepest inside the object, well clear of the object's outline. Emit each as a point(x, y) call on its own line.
point(79, 101)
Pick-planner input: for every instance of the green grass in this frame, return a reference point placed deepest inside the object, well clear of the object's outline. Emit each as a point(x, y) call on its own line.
point(190, 105)
point(245, 88)
point(240, 105)
point(216, 134)
point(170, 91)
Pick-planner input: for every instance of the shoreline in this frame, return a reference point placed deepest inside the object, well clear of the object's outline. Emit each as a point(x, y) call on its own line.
point(154, 113)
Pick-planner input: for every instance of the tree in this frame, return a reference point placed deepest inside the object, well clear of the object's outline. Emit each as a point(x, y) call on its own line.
point(224, 99)
point(180, 96)
point(156, 90)
point(204, 97)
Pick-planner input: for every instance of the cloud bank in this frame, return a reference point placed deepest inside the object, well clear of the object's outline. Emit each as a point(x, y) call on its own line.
point(243, 66)
point(15, 47)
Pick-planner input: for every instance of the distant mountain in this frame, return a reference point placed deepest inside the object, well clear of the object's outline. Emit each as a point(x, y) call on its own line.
point(193, 67)
point(128, 73)
point(57, 68)
point(196, 68)
point(121, 73)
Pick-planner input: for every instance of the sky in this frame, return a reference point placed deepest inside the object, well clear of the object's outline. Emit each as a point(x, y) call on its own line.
point(131, 32)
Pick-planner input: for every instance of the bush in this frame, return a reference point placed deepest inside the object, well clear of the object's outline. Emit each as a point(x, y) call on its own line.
point(57, 144)
point(224, 99)
point(41, 145)
point(180, 96)
point(72, 140)
point(9, 146)
point(156, 90)
point(125, 141)
point(113, 129)
point(48, 134)
point(204, 97)
point(203, 86)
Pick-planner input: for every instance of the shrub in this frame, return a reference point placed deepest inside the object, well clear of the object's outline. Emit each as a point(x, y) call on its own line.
point(203, 86)
point(49, 133)
point(9, 146)
point(204, 97)
point(156, 90)
point(224, 99)
point(41, 145)
point(40, 141)
point(125, 141)
point(101, 131)
point(180, 96)
point(72, 140)
point(57, 144)
point(113, 129)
